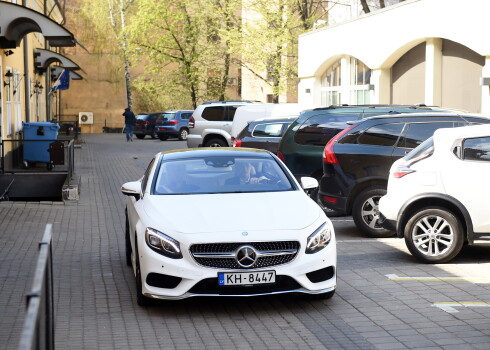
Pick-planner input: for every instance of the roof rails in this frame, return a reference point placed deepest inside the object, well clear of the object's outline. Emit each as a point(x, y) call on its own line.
point(418, 106)
point(233, 101)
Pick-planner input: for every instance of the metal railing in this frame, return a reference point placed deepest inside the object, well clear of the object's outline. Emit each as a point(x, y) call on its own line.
point(38, 330)
point(20, 156)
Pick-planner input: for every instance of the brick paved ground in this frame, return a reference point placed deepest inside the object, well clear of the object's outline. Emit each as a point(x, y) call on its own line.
point(95, 294)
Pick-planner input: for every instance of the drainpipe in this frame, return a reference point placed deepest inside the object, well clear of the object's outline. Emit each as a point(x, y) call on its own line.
point(27, 98)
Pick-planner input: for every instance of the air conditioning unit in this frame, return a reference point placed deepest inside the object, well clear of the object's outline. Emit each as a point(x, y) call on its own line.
point(85, 118)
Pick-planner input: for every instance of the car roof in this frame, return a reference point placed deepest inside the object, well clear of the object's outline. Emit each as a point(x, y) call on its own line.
point(216, 152)
point(374, 106)
point(274, 119)
point(395, 115)
point(179, 110)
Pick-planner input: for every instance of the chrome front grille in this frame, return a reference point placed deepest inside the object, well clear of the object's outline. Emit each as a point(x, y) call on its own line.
point(223, 255)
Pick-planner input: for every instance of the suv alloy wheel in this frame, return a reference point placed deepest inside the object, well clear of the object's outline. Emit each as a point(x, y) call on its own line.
point(365, 213)
point(434, 235)
point(215, 143)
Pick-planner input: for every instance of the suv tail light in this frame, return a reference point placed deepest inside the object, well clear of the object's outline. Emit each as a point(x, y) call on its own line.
point(235, 142)
point(172, 122)
point(192, 121)
point(328, 154)
point(404, 168)
point(142, 122)
point(281, 156)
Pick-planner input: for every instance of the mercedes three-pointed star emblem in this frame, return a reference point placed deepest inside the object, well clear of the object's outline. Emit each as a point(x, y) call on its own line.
point(246, 256)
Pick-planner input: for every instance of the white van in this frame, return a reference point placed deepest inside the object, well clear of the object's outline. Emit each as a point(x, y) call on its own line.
point(245, 114)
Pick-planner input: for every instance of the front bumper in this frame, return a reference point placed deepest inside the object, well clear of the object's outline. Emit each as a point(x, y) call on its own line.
point(198, 280)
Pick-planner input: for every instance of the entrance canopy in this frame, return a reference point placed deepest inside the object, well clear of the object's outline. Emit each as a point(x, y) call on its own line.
point(44, 58)
point(17, 21)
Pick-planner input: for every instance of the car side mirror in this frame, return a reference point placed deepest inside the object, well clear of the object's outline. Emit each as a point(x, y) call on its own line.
point(309, 183)
point(132, 189)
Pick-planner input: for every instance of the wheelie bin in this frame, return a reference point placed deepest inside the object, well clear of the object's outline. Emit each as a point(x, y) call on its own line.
point(35, 149)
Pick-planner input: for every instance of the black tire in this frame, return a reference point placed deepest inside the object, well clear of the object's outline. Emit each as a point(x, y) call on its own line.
point(140, 136)
point(329, 212)
point(128, 243)
point(163, 137)
point(215, 143)
point(183, 134)
point(366, 215)
point(140, 298)
point(448, 241)
point(154, 134)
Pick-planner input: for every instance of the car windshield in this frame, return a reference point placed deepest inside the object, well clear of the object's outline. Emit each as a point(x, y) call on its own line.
point(168, 116)
point(220, 174)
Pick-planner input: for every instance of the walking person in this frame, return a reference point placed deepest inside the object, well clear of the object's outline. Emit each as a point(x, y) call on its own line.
point(130, 121)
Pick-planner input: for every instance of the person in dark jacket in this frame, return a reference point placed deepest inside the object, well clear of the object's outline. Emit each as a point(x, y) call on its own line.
point(130, 121)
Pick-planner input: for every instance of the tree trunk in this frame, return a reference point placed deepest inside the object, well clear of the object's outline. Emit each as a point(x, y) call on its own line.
point(365, 6)
point(381, 3)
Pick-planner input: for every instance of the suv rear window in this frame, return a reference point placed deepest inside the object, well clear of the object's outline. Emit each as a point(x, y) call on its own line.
point(142, 116)
point(167, 116)
point(219, 113)
point(319, 129)
point(213, 113)
point(416, 133)
point(381, 135)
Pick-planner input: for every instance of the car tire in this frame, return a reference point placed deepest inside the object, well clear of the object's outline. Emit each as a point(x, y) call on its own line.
point(140, 298)
point(140, 136)
point(366, 214)
point(183, 134)
point(128, 243)
point(215, 143)
point(163, 137)
point(441, 247)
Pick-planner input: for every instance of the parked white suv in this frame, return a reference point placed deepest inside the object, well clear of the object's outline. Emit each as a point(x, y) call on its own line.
point(210, 124)
point(438, 194)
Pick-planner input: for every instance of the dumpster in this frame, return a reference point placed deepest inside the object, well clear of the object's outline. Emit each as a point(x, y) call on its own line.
point(36, 150)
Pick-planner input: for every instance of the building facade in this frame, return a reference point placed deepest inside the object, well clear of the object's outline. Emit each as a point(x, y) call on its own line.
point(31, 35)
point(432, 52)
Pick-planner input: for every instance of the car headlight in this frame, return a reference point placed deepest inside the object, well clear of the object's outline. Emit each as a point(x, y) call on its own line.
point(163, 244)
point(318, 239)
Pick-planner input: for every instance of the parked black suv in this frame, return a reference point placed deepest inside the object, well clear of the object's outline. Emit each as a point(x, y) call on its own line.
point(145, 125)
point(301, 147)
point(263, 133)
point(356, 162)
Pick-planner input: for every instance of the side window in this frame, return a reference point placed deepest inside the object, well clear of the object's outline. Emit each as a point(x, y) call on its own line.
point(214, 113)
point(144, 182)
point(230, 113)
point(319, 129)
point(416, 133)
point(186, 115)
point(268, 130)
point(477, 149)
point(381, 135)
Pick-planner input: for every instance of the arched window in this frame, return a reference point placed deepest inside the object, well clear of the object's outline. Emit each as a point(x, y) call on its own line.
point(356, 85)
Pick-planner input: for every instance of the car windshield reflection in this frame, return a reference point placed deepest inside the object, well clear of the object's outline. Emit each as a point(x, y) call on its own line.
point(220, 174)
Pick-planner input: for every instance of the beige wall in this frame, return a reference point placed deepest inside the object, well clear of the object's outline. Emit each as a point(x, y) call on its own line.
point(407, 77)
point(461, 72)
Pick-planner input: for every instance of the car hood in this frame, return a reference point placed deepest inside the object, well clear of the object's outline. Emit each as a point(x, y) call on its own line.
point(291, 210)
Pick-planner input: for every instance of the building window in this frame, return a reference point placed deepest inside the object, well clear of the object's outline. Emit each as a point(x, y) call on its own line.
point(356, 85)
point(332, 76)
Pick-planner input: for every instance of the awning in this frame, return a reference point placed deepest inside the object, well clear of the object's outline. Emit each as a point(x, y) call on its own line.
point(17, 21)
point(44, 58)
point(56, 71)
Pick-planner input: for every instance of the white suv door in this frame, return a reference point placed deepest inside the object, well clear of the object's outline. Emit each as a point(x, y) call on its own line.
point(471, 165)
